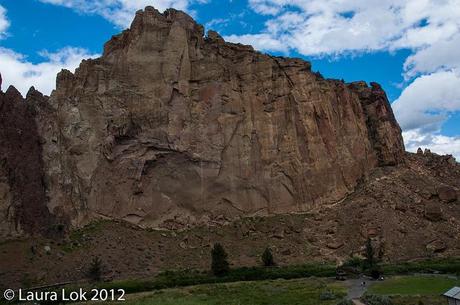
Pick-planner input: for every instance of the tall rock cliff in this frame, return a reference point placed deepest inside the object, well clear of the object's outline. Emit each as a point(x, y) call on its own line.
point(23, 203)
point(172, 124)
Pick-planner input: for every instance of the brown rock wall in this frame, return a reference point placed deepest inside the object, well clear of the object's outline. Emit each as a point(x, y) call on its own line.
point(170, 124)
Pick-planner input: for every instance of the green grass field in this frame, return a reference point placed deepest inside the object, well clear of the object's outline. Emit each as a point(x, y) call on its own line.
point(418, 300)
point(402, 290)
point(415, 290)
point(288, 292)
point(174, 279)
point(414, 285)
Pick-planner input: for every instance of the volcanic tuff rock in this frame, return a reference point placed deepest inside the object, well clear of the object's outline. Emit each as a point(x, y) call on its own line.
point(22, 194)
point(172, 124)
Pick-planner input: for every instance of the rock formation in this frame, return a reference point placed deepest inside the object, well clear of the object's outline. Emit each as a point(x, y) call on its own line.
point(23, 203)
point(172, 124)
point(175, 130)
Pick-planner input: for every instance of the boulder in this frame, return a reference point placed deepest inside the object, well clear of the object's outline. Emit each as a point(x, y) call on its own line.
point(433, 211)
point(334, 245)
point(451, 160)
point(286, 252)
point(436, 246)
point(401, 206)
point(278, 233)
point(447, 193)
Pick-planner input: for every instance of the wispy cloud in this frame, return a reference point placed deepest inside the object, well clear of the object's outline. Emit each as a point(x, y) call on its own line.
point(121, 12)
point(4, 22)
point(217, 23)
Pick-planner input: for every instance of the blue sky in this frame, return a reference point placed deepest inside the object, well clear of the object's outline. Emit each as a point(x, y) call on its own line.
point(409, 47)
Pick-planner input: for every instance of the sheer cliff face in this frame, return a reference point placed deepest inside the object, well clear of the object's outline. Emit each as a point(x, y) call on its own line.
point(169, 124)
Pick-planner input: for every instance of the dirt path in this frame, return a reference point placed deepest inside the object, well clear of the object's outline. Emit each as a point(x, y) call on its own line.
point(355, 288)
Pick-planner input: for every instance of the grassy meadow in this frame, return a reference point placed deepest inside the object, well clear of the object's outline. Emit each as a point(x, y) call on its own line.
point(416, 289)
point(280, 292)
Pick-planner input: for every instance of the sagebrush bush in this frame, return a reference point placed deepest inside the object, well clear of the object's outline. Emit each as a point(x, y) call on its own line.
point(354, 261)
point(327, 295)
point(345, 302)
point(372, 299)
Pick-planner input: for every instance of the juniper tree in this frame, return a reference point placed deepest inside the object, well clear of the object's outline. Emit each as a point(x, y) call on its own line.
point(219, 264)
point(95, 269)
point(370, 259)
point(267, 258)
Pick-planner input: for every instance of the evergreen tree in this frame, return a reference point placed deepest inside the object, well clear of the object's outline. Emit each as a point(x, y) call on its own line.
point(370, 259)
point(95, 269)
point(219, 264)
point(267, 258)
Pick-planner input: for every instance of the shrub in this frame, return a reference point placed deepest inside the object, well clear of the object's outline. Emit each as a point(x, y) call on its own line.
point(375, 273)
point(372, 299)
point(345, 302)
point(327, 295)
point(354, 261)
point(219, 264)
point(444, 265)
point(267, 258)
point(95, 269)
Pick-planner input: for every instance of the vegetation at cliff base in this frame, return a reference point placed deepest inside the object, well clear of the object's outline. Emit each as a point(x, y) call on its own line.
point(280, 292)
point(169, 279)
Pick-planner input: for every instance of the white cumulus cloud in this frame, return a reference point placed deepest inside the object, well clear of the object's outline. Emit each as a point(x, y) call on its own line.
point(121, 12)
point(259, 41)
point(323, 27)
point(440, 56)
point(435, 142)
point(16, 70)
point(427, 101)
point(20, 72)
